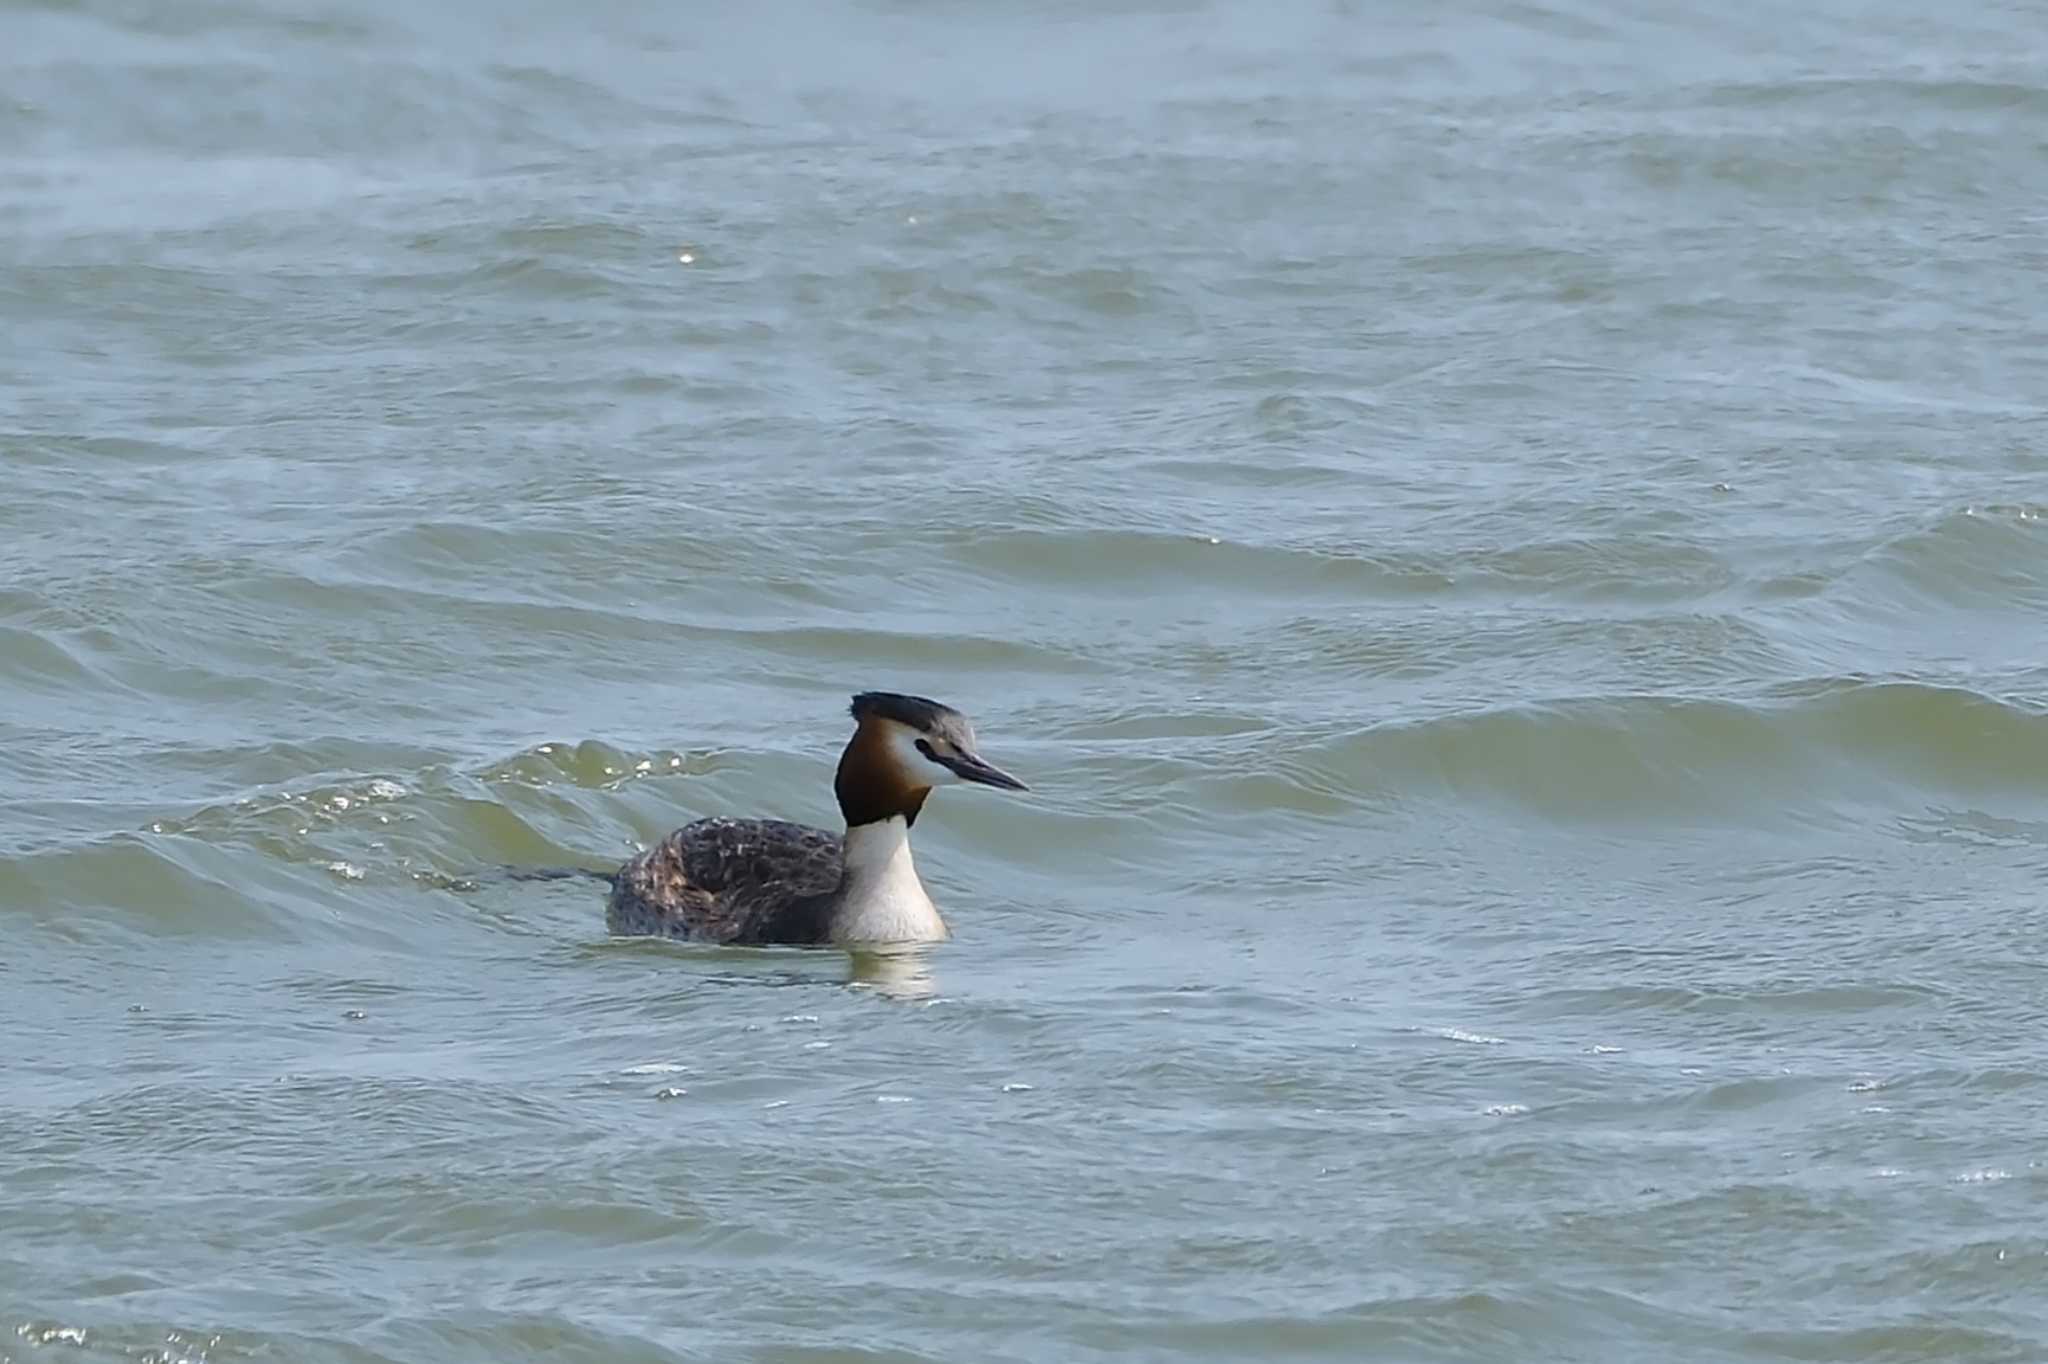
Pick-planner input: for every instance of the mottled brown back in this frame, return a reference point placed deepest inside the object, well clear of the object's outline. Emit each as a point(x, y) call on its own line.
point(730, 881)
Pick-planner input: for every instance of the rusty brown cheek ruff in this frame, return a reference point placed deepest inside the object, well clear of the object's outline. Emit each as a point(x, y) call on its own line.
point(870, 784)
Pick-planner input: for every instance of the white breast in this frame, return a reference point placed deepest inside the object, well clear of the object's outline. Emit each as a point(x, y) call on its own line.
point(884, 900)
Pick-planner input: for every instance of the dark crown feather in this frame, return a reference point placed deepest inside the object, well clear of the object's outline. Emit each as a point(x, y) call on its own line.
point(919, 712)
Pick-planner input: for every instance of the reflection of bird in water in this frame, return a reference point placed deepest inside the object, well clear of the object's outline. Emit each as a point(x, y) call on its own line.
point(902, 972)
point(766, 881)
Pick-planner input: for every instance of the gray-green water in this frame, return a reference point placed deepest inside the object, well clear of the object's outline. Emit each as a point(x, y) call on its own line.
point(1507, 538)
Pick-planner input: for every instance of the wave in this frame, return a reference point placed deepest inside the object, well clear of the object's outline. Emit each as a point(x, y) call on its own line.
point(1827, 750)
point(1640, 757)
point(304, 858)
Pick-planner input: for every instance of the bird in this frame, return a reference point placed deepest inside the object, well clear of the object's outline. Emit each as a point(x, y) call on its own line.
point(764, 881)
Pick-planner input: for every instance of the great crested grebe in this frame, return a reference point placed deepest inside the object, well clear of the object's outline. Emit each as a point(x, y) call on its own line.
point(767, 881)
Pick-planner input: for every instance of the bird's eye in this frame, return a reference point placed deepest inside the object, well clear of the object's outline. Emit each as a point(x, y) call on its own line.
point(926, 749)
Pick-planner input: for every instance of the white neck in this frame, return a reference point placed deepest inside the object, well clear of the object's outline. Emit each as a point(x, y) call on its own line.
point(880, 897)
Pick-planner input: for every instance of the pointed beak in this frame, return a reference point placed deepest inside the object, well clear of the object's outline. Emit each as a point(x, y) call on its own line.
point(971, 767)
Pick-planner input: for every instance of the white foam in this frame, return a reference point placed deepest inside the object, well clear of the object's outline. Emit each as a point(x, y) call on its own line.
point(49, 1335)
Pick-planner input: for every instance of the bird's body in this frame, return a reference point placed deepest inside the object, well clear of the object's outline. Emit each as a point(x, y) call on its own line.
point(729, 881)
point(756, 881)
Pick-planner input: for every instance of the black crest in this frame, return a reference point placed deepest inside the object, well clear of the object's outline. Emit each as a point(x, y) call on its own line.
point(919, 712)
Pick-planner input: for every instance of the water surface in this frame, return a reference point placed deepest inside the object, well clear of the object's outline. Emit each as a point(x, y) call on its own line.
point(1507, 539)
